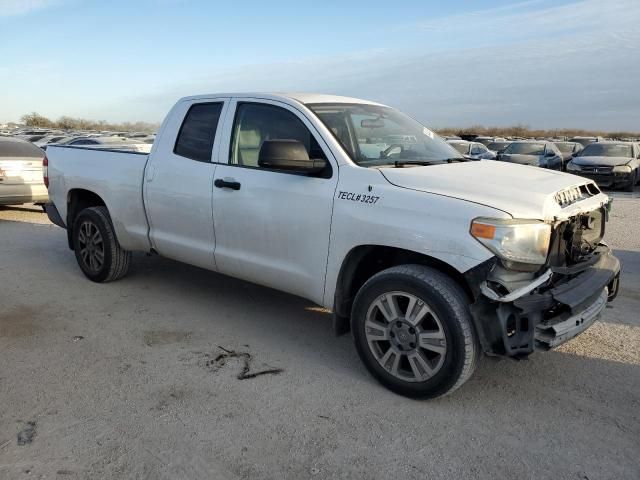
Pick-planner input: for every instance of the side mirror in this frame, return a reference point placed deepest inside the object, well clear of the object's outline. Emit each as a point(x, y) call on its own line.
point(290, 155)
point(550, 153)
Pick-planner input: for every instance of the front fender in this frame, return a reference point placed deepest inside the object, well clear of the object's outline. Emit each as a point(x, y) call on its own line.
point(429, 224)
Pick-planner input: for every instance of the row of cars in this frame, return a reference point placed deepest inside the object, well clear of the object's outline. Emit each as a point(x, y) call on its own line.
point(611, 164)
point(22, 153)
point(134, 142)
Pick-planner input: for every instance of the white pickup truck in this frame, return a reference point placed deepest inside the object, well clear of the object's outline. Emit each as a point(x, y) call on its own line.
point(428, 258)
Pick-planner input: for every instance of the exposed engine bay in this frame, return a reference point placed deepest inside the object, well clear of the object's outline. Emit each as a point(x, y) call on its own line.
point(525, 311)
point(575, 240)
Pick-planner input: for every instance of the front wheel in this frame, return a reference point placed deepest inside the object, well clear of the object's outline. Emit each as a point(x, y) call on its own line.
point(99, 255)
point(413, 330)
point(632, 183)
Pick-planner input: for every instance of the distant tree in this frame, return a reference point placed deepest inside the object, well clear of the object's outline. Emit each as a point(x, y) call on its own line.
point(34, 119)
point(520, 130)
point(66, 123)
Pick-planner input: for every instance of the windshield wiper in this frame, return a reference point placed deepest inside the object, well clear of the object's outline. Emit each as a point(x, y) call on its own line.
point(402, 163)
point(457, 159)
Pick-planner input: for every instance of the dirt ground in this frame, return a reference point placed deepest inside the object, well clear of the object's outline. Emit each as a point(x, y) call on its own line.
point(179, 373)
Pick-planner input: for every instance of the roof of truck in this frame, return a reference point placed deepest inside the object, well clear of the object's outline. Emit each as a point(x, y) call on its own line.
point(305, 98)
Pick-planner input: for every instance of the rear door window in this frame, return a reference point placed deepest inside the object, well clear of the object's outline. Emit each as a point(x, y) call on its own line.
point(198, 131)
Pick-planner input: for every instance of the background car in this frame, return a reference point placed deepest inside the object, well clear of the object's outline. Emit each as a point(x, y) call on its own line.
point(487, 140)
point(21, 179)
point(56, 138)
point(498, 146)
point(609, 164)
point(584, 141)
point(111, 142)
point(568, 150)
point(473, 150)
point(535, 153)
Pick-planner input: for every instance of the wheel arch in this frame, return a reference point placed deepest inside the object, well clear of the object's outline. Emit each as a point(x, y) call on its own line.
point(364, 261)
point(77, 200)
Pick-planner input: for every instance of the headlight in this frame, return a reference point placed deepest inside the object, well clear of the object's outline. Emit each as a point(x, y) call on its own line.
point(516, 241)
point(622, 169)
point(572, 167)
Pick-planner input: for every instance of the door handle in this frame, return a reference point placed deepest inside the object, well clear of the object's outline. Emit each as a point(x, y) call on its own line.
point(232, 184)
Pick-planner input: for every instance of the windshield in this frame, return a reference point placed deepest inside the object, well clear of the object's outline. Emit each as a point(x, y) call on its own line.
point(565, 147)
point(498, 146)
point(525, 148)
point(376, 136)
point(584, 141)
point(606, 150)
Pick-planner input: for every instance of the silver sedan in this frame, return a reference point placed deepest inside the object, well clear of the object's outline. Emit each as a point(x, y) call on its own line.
point(472, 150)
point(21, 179)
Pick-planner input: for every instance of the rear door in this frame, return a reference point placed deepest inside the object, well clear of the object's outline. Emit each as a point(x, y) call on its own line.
point(179, 181)
point(272, 227)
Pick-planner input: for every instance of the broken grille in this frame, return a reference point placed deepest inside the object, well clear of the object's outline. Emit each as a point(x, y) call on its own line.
point(569, 196)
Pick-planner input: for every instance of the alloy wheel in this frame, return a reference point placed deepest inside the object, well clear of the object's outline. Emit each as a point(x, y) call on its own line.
point(91, 246)
point(405, 336)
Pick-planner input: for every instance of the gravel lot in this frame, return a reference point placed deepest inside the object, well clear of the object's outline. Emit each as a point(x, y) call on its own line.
point(125, 380)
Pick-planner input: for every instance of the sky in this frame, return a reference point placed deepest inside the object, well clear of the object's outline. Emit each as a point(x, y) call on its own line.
point(541, 63)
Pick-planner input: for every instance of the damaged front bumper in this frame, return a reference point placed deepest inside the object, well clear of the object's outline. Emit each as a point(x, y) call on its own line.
point(553, 308)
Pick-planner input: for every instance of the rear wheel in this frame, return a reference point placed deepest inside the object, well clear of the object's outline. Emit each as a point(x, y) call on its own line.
point(412, 329)
point(99, 255)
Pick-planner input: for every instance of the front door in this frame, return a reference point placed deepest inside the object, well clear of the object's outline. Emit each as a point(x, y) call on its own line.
point(272, 227)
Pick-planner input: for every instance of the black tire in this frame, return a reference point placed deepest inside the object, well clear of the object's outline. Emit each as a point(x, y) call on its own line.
point(632, 183)
point(115, 261)
point(447, 300)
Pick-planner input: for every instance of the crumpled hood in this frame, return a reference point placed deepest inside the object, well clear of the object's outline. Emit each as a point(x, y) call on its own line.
point(522, 159)
point(521, 191)
point(603, 161)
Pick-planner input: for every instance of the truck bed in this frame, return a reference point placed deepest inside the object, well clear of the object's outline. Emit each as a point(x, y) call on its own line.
point(115, 176)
